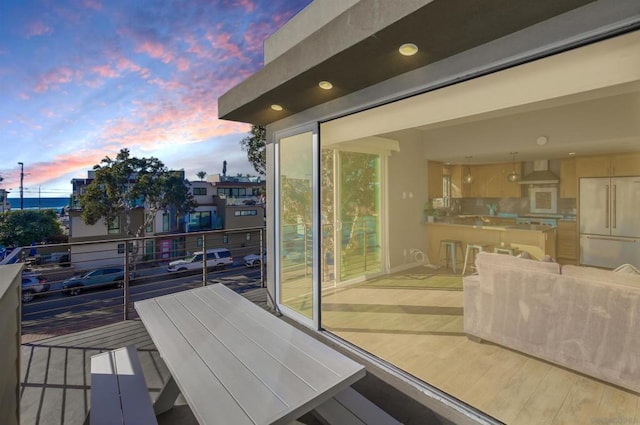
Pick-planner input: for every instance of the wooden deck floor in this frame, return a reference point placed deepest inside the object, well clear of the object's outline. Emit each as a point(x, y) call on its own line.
point(56, 371)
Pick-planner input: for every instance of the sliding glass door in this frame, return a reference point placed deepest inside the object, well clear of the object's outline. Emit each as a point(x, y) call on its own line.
point(350, 205)
point(295, 216)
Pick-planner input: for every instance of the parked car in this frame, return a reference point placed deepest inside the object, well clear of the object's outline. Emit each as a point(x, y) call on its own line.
point(113, 275)
point(32, 285)
point(216, 258)
point(254, 260)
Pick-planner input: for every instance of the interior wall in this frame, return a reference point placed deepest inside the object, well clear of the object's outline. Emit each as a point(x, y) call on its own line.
point(407, 193)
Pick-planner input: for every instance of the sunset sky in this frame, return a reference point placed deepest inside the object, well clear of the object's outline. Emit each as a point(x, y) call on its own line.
point(81, 79)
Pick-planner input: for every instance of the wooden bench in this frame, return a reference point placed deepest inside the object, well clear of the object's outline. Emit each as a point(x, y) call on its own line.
point(349, 407)
point(119, 393)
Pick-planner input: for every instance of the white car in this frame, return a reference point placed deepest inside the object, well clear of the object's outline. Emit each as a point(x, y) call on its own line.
point(253, 260)
point(217, 257)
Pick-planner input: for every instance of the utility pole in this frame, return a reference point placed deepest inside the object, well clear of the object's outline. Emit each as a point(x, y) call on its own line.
point(21, 186)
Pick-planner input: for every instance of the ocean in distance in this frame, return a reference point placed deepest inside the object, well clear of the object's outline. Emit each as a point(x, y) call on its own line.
point(39, 203)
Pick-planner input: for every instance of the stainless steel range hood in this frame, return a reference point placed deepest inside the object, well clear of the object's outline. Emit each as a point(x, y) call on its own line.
point(541, 174)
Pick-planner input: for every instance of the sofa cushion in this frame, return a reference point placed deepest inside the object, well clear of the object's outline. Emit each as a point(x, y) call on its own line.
point(488, 259)
point(601, 275)
point(626, 268)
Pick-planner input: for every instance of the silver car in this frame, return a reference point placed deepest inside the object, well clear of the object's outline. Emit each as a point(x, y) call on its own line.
point(33, 285)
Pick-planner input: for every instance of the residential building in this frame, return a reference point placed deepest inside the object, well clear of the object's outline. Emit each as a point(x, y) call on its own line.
point(377, 113)
point(231, 203)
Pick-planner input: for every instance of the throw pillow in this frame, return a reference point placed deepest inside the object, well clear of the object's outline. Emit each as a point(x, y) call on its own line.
point(627, 268)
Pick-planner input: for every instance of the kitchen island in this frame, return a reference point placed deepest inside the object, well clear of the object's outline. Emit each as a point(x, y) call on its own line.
point(537, 240)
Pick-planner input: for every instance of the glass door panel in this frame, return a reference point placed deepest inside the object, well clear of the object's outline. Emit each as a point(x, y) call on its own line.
point(295, 221)
point(350, 206)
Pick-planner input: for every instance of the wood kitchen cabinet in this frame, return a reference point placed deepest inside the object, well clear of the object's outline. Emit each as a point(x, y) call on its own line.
point(567, 237)
point(456, 174)
point(435, 179)
point(490, 181)
point(568, 178)
point(626, 164)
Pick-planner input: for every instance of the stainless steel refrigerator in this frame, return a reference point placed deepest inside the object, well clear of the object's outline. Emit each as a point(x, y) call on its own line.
point(610, 221)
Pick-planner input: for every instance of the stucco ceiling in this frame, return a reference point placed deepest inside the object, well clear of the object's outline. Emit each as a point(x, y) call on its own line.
point(441, 28)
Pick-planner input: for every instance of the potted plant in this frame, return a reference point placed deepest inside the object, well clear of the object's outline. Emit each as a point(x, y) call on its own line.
point(429, 212)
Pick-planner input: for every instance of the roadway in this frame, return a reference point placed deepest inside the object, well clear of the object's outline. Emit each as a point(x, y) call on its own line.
point(55, 312)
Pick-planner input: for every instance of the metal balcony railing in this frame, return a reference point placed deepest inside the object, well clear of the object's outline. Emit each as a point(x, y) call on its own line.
point(63, 290)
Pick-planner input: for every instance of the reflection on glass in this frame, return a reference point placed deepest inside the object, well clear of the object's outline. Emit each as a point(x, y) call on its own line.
point(350, 237)
point(296, 237)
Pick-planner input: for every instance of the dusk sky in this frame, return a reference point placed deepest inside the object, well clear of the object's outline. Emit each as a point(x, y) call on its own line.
point(81, 79)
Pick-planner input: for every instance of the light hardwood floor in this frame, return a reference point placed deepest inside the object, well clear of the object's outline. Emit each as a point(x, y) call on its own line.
point(420, 330)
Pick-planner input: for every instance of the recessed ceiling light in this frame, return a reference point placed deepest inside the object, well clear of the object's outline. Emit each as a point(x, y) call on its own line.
point(542, 140)
point(572, 153)
point(325, 85)
point(408, 49)
point(276, 107)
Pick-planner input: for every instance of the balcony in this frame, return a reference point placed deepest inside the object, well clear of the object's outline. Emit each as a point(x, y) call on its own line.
point(59, 332)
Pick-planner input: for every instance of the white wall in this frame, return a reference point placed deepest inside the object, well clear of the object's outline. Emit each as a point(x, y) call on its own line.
point(81, 230)
point(90, 256)
point(10, 358)
point(407, 193)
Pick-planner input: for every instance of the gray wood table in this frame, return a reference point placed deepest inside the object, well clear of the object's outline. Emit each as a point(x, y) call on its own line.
point(236, 363)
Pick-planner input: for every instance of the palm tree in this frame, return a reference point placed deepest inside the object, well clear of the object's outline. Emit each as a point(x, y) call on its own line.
point(201, 175)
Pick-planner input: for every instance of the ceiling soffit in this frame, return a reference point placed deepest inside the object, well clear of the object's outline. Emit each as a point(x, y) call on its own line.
point(441, 29)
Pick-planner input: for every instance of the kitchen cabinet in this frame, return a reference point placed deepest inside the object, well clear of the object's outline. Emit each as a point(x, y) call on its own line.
point(568, 179)
point(434, 175)
point(567, 242)
point(456, 174)
point(490, 181)
point(618, 165)
point(626, 164)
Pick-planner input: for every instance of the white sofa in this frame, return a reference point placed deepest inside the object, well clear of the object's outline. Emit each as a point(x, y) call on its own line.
point(582, 318)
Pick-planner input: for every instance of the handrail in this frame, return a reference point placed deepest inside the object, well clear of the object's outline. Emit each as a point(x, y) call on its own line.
point(54, 311)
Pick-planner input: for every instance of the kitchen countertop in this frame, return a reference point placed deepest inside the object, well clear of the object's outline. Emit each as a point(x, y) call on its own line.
point(503, 228)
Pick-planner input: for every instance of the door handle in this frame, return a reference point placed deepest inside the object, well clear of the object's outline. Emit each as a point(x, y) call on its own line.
point(606, 209)
point(604, 238)
point(613, 205)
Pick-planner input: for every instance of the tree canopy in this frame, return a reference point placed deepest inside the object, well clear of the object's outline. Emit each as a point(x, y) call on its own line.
point(255, 145)
point(125, 183)
point(21, 227)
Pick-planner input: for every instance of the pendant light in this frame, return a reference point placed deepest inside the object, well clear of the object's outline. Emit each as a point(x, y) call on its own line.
point(468, 179)
point(513, 176)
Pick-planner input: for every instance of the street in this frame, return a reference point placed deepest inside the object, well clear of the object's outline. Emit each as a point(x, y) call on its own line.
point(56, 312)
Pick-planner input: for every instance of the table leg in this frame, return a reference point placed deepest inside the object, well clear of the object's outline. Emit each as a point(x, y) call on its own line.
point(167, 397)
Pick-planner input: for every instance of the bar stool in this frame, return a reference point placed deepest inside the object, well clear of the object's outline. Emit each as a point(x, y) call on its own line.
point(450, 252)
point(473, 248)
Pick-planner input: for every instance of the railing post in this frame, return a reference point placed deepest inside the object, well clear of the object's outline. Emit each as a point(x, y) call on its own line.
point(204, 260)
point(262, 257)
point(126, 280)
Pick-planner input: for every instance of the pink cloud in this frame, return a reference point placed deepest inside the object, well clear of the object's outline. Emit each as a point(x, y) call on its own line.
point(37, 28)
point(221, 41)
point(183, 64)
point(167, 85)
point(195, 47)
point(93, 4)
point(155, 50)
point(53, 78)
point(105, 71)
point(255, 35)
point(248, 5)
